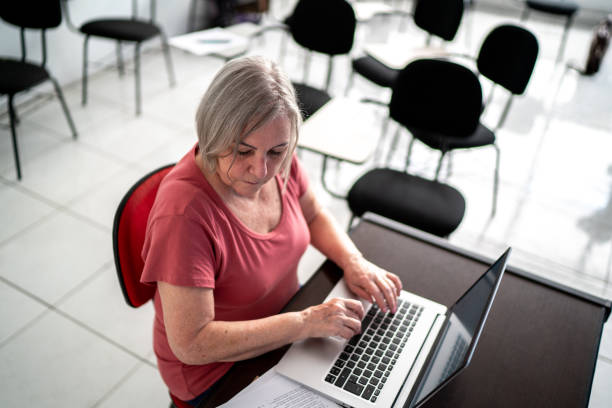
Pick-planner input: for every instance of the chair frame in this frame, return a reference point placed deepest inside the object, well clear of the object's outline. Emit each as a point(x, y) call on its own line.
point(120, 62)
point(13, 116)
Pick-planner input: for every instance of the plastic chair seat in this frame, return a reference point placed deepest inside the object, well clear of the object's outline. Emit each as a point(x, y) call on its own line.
point(561, 8)
point(310, 99)
point(375, 71)
point(18, 76)
point(121, 29)
point(482, 136)
point(424, 204)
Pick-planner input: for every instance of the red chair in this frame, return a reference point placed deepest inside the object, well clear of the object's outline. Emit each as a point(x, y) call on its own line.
point(128, 238)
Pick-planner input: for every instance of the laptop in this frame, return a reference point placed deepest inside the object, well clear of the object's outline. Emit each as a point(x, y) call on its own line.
point(401, 359)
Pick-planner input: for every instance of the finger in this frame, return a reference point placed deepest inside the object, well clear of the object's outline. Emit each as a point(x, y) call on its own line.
point(396, 282)
point(355, 307)
point(354, 325)
point(388, 290)
point(376, 293)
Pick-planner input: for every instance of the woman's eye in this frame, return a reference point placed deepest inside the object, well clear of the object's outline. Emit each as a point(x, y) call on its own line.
point(275, 153)
point(244, 152)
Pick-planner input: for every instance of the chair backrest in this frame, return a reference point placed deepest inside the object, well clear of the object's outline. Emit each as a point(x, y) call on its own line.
point(439, 17)
point(34, 14)
point(129, 233)
point(507, 57)
point(325, 26)
point(437, 96)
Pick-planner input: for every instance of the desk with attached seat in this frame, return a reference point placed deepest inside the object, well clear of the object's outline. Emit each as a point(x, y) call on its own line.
point(538, 348)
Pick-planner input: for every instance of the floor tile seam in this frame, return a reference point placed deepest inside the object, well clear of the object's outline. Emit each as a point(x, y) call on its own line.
point(56, 308)
point(118, 384)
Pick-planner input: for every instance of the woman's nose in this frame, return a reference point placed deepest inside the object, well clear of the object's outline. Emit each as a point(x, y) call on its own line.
point(259, 167)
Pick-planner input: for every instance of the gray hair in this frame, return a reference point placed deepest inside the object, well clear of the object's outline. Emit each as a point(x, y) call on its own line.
point(244, 95)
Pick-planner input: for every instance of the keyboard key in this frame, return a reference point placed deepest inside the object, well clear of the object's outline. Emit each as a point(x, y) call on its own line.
point(344, 356)
point(373, 399)
point(361, 364)
point(353, 388)
point(349, 349)
point(367, 373)
point(357, 371)
point(330, 378)
point(378, 373)
point(342, 378)
point(363, 381)
point(350, 364)
point(339, 363)
point(368, 392)
point(334, 371)
point(374, 381)
point(371, 367)
point(353, 378)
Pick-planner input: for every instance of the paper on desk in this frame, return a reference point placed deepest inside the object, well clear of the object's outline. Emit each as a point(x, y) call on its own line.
point(273, 390)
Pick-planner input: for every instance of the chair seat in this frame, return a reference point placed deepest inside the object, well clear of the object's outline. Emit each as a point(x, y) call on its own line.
point(121, 29)
point(483, 136)
point(17, 76)
point(562, 8)
point(424, 204)
point(310, 99)
point(375, 71)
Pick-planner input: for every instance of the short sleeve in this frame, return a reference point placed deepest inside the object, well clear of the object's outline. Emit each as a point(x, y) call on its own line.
point(298, 177)
point(179, 251)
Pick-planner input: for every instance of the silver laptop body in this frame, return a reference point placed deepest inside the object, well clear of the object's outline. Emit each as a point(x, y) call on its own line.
point(439, 345)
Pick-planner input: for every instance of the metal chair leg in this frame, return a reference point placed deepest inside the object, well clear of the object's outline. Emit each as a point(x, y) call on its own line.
point(120, 65)
point(137, 77)
point(409, 153)
point(393, 145)
point(84, 78)
point(168, 59)
point(14, 136)
point(568, 24)
point(60, 96)
point(495, 180)
point(349, 84)
point(442, 154)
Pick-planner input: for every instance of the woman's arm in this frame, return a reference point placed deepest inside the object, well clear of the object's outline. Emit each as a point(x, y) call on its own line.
point(196, 338)
point(363, 277)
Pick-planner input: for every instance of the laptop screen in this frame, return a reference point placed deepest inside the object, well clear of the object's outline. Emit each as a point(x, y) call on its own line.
point(458, 339)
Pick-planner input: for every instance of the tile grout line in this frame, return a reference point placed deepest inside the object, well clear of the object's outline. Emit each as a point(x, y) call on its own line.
point(118, 384)
point(53, 308)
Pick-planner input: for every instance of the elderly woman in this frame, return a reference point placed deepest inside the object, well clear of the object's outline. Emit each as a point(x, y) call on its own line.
point(227, 231)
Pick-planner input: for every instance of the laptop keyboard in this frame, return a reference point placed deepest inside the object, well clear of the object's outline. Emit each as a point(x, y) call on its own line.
point(368, 358)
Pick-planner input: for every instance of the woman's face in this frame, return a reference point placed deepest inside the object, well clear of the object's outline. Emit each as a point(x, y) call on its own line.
point(259, 158)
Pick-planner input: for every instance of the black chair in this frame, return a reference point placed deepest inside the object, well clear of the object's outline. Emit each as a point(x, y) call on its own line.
point(428, 205)
point(507, 57)
point(561, 8)
point(440, 103)
point(131, 30)
point(327, 27)
point(18, 75)
point(439, 18)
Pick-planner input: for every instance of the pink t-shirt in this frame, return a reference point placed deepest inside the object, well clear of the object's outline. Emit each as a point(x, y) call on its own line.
point(193, 239)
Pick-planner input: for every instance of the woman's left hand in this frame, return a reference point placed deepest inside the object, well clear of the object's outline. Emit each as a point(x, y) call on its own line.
point(373, 283)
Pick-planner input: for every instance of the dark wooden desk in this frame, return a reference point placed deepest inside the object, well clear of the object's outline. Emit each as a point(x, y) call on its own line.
point(538, 348)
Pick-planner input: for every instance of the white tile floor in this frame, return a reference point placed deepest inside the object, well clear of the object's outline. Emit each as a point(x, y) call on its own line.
point(68, 339)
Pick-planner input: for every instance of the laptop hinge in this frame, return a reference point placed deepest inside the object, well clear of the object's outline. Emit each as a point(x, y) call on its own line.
point(410, 381)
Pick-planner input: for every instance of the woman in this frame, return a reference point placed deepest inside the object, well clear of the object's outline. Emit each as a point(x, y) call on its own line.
point(227, 230)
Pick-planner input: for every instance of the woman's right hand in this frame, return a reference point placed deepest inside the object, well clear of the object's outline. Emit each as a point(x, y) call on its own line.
point(336, 317)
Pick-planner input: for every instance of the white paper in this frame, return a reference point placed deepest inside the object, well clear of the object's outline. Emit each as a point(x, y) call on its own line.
point(273, 390)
